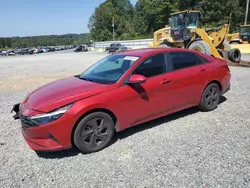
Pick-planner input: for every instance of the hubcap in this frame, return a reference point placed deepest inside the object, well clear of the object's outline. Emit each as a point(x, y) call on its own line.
point(212, 97)
point(95, 132)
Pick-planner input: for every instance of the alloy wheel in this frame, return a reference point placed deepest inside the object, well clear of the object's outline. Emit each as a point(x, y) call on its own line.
point(212, 97)
point(95, 132)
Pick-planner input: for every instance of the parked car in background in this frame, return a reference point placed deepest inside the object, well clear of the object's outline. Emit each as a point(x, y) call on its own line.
point(120, 91)
point(3, 53)
point(57, 48)
point(10, 53)
point(52, 49)
point(38, 50)
point(25, 51)
point(81, 48)
point(116, 47)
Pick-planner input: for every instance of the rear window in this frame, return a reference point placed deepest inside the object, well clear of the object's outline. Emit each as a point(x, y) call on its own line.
point(183, 60)
point(205, 58)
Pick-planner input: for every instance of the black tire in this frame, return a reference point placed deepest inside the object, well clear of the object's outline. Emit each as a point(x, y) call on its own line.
point(210, 98)
point(234, 55)
point(234, 42)
point(88, 130)
point(222, 53)
point(200, 46)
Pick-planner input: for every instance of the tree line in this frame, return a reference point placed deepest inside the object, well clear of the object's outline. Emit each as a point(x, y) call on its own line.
point(147, 16)
point(137, 22)
point(46, 40)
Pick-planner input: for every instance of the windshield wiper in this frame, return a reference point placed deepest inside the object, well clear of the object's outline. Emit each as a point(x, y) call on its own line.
point(87, 79)
point(83, 78)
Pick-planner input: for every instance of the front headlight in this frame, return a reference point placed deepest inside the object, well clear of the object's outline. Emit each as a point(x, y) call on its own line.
point(49, 117)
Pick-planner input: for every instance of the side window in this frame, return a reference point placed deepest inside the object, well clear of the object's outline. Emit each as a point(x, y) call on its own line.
point(153, 66)
point(183, 60)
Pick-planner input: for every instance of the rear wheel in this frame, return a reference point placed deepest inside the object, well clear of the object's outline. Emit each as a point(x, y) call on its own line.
point(210, 97)
point(200, 46)
point(94, 132)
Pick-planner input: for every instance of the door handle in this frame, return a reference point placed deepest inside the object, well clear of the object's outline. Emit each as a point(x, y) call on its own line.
point(165, 81)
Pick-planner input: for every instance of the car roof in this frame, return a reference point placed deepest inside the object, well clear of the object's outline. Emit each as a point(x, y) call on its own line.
point(144, 52)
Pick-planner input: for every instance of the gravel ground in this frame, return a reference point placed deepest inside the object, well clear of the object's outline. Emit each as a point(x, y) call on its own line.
point(187, 149)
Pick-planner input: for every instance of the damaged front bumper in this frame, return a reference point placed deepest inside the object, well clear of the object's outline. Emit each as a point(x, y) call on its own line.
point(16, 110)
point(42, 138)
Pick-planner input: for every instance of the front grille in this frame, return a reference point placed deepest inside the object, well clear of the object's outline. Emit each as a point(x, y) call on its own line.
point(26, 122)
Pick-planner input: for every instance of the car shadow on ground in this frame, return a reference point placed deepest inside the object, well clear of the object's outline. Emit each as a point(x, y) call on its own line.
point(128, 132)
point(151, 124)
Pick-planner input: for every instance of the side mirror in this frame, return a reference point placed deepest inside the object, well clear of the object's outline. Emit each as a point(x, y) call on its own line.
point(137, 79)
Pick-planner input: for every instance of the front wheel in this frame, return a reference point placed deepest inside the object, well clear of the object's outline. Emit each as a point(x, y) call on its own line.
point(94, 132)
point(210, 97)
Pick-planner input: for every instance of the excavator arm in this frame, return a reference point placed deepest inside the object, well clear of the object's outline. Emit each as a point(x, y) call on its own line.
point(219, 35)
point(217, 45)
point(205, 37)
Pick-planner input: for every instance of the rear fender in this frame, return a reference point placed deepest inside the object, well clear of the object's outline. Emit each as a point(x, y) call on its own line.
point(221, 73)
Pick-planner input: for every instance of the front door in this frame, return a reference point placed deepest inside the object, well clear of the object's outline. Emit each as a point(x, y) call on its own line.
point(141, 102)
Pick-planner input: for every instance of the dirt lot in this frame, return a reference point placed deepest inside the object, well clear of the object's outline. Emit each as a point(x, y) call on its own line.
point(187, 149)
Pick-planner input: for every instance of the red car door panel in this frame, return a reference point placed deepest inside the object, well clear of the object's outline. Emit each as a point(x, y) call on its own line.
point(187, 83)
point(142, 101)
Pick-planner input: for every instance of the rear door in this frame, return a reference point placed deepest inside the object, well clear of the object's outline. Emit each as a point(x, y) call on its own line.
point(188, 75)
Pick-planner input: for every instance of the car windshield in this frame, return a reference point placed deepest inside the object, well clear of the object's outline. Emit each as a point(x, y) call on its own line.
point(109, 70)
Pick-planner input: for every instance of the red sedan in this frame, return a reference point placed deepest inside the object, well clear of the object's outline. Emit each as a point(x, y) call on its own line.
point(120, 91)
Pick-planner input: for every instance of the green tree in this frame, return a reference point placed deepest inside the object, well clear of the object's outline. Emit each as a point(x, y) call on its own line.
point(152, 15)
point(218, 13)
point(100, 23)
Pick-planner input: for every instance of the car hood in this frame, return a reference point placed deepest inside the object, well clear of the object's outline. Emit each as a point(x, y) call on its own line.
point(60, 93)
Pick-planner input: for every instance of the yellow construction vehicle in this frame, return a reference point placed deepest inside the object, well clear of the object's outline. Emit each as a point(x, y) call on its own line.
point(185, 32)
point(243, 37)
point(241, 40)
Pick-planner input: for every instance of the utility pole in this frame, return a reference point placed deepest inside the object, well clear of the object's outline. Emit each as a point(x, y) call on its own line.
point(230, 18)
point(113, 25)
point(245, 23)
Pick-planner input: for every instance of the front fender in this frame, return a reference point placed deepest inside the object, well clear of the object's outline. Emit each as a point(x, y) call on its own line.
point(83, 108)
